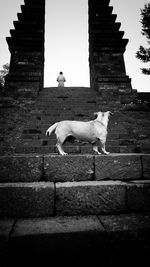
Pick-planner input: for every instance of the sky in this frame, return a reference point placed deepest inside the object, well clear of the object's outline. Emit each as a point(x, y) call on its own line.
point(66, 39)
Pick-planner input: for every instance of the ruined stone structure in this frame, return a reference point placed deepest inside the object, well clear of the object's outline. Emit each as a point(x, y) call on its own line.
point(106, 47)
point(26, 46)
point(82, 207)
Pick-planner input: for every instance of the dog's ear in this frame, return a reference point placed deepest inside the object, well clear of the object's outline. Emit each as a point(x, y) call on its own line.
point(95, 114)
point(110, 113)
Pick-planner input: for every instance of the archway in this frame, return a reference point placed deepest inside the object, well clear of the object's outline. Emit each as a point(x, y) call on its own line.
point(66, 42)
point(106, 47)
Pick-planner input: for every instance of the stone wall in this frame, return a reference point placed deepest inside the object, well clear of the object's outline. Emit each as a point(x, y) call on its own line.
point(50, 185)
point(26, 46)
point(106, 49)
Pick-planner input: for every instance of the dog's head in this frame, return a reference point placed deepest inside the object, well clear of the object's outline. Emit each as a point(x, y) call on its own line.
point(99, 115)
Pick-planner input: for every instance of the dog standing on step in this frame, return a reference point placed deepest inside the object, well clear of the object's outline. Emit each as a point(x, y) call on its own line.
point(90, 131)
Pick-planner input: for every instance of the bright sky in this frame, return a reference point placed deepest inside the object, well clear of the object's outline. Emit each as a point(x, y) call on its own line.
point(66, 39)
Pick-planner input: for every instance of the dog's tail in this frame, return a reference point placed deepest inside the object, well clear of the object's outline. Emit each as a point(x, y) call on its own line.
point(51, 129)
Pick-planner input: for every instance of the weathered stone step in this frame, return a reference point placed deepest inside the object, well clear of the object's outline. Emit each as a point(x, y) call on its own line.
point(56, 168)
point(26, 199)
point(44, 199)
point(87, 240)
point(79, 149)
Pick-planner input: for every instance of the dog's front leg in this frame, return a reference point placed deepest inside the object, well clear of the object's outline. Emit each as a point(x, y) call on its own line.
point(103, 149)
point(95, 149)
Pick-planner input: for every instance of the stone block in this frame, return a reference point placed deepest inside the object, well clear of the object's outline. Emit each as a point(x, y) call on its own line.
point(92, 197)
point(126, 222)
point(146, 166)
point(68, 168)
point(6, 226)
point(138, 196)
point(42, 241)
point(56, 226)
point(26, 199)
point(20, 168)
point(126, 227)
point(118, 167)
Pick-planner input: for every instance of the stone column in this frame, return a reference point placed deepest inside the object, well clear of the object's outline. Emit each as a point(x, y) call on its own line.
point(26, 46)
point(106, 49)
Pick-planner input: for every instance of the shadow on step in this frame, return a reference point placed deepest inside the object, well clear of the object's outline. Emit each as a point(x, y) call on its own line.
point(74, 251)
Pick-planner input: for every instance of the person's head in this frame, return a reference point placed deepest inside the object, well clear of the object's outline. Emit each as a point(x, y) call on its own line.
point(61, 73)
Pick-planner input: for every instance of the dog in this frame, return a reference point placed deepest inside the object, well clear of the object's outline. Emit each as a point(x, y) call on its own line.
point(90, 131)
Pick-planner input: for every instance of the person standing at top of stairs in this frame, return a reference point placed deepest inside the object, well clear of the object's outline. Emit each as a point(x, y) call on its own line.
point(61, 79)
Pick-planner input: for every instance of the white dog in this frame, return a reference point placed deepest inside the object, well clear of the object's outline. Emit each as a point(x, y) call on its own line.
point(90, 131)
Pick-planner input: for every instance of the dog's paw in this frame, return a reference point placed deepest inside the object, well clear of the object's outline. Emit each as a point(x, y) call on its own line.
point(64, 154)
point(106, 153)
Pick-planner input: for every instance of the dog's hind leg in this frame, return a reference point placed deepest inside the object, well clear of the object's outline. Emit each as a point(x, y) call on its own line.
point(60, 149)
point(60, 141)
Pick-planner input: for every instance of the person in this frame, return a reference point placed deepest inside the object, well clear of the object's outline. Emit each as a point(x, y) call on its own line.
point(61, 79)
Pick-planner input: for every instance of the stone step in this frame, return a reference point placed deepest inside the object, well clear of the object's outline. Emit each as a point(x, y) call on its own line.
point(87, 167)
point(79, 149)
point(77, 241)
point(48, 146)
point(42, 199)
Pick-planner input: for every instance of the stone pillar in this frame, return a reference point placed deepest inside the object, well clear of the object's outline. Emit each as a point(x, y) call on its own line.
point(26, 46)
point(106, 49)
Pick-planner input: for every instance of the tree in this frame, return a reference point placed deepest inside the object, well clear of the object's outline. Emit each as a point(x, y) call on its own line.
point(3, 74)
point(144, 53)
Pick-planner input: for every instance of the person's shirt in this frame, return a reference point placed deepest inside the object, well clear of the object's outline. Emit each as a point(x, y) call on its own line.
point(61, 78)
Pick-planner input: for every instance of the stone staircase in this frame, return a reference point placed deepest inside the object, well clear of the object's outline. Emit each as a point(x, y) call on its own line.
point(82, 208)
point(127, 132)
point(75, 210)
